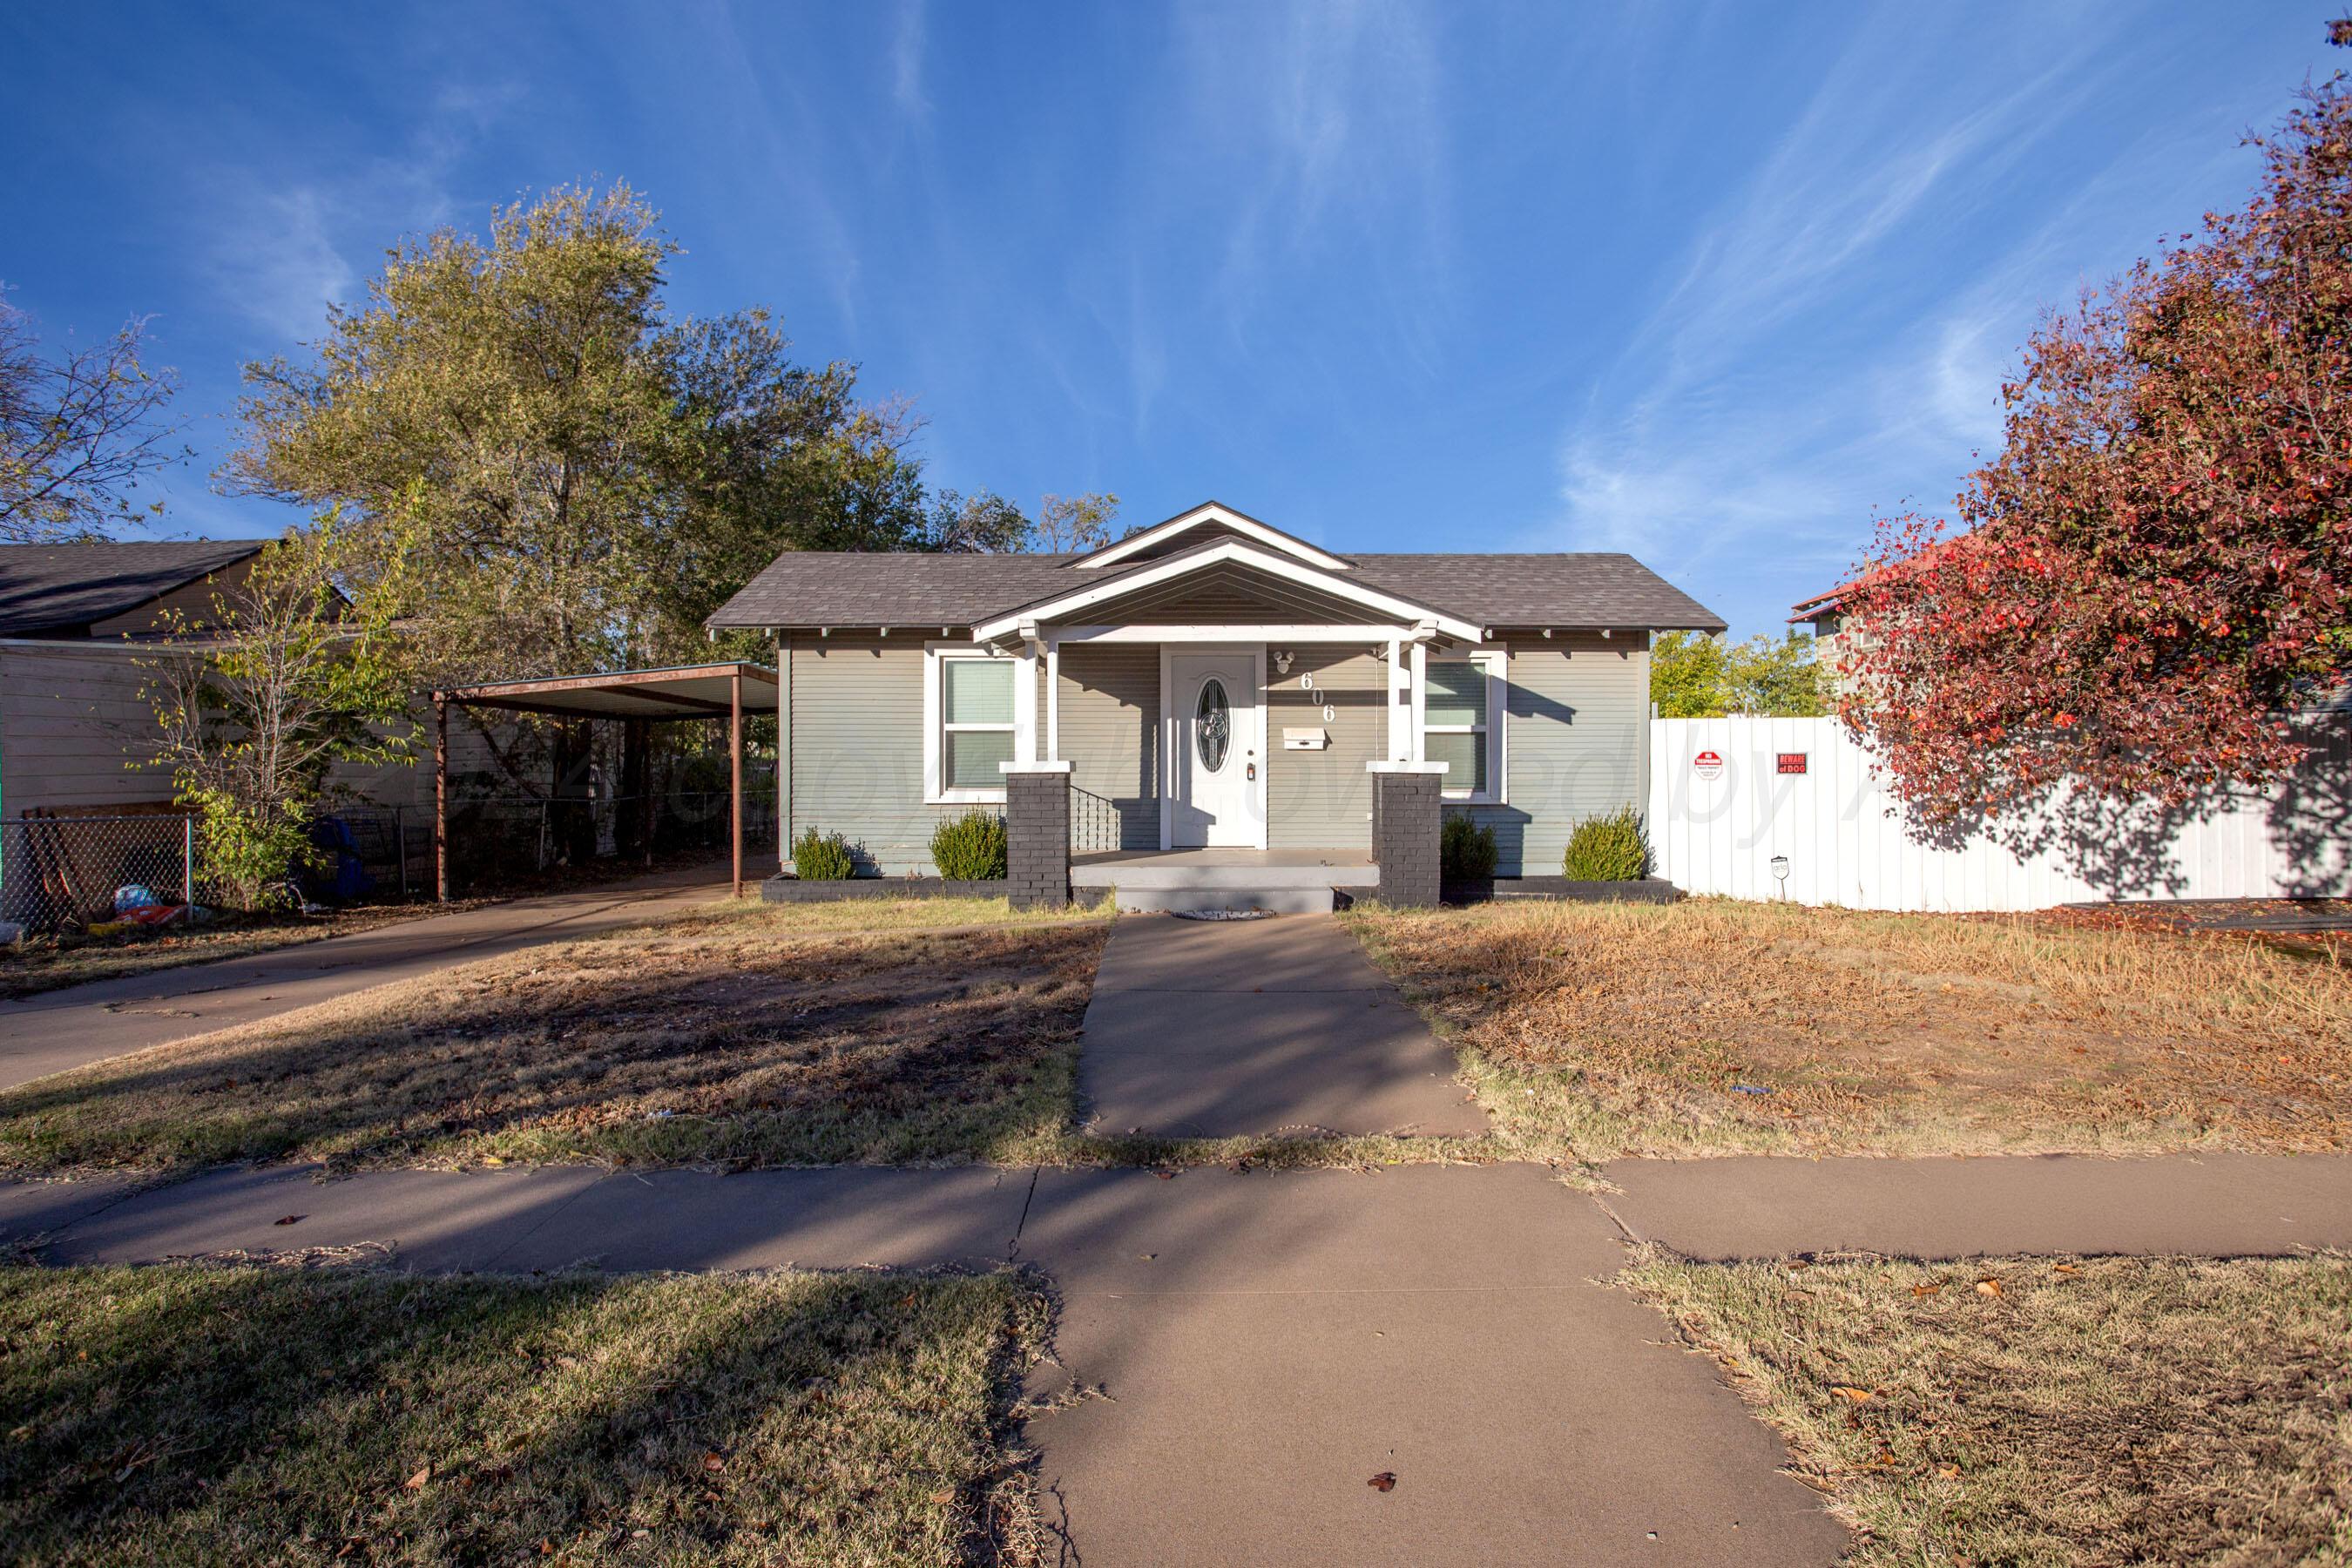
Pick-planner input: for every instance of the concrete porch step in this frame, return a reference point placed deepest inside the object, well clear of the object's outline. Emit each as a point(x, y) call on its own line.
point(1193, 900)
point(1282, 882)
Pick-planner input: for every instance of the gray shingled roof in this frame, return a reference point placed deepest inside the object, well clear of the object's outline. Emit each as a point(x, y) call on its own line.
point(52, 590)
point(812, 588)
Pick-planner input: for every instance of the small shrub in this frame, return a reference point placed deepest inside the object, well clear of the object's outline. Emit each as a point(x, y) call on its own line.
point(822, 857)
point(1465, 851)
point(1611, 848)
point(970, 848)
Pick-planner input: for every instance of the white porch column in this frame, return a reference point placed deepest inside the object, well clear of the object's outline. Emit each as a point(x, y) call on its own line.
point(1419, 706)
point(1025, 702)
point(1053, 699)
point(1400, 711)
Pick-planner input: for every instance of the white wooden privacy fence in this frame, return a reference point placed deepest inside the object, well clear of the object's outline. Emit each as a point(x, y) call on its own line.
point(1730, 797)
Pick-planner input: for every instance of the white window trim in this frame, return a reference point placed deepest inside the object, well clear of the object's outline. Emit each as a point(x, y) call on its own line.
point(1496, 663)
point(935, 729)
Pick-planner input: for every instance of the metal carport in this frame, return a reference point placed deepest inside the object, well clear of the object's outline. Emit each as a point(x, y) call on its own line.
point(681, 692)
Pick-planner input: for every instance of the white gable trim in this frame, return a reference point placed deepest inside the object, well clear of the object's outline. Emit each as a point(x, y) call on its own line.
point(1210, 512)
point(1236, 551)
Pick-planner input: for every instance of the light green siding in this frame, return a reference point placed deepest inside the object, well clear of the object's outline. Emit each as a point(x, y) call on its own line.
point(1110, 730)
point(1323, 800)
point(1576, 744)
point(856, 747)
point(1577, 711)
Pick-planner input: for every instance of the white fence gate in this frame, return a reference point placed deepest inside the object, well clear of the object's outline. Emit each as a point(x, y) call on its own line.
point(1729, 796)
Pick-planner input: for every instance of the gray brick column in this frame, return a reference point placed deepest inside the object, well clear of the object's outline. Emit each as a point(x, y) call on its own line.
point(1407, 802)
point(1037, 834)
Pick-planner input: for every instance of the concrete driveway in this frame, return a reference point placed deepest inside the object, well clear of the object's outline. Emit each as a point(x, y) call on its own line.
point(61, 1029)
point(1217, 1029)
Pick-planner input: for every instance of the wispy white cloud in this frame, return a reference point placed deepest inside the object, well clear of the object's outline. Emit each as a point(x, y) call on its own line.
point(1323, 121)
point(281, 249)
point(906, 40)
point(276, 259)
point(1801, 371)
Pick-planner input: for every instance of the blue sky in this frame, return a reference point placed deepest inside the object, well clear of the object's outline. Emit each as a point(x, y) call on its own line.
point(1707, 283)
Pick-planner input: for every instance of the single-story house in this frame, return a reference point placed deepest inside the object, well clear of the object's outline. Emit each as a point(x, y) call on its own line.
point(1211, 683)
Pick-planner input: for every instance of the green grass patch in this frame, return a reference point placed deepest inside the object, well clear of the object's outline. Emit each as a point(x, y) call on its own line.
point(2048, 1411)
point(191, 1413)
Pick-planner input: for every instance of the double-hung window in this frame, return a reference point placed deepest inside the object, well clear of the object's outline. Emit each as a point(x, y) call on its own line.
point(968, 717)
point(1462, 723)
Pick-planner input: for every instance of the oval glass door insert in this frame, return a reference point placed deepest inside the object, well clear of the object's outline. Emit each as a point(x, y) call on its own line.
point(1213, 725)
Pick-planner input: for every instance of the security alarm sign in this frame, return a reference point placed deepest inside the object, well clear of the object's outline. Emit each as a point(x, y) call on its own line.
point(1707, 764)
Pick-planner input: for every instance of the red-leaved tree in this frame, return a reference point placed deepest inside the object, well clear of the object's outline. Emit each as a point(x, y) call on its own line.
point(2154, 573)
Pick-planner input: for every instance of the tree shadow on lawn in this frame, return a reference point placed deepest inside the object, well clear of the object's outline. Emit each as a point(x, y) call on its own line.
point(204, 1413)
point(904, 1048)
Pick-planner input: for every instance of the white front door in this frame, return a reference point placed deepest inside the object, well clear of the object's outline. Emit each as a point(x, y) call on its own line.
point(1217, 749)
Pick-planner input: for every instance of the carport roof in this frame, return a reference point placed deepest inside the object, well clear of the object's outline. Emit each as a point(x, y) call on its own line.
point(679, 691)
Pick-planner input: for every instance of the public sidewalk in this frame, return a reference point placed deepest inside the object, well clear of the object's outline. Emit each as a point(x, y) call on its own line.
point(1248, 1350)
point(1263, 1343)
point(60, 1029)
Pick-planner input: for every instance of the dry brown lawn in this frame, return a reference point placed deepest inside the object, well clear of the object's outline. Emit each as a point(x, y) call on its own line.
point(738, 1036)
point(2048, 1411)
point(1711, 1026)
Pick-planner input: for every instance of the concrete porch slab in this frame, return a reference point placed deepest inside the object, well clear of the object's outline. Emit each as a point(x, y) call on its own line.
point(1224, 869)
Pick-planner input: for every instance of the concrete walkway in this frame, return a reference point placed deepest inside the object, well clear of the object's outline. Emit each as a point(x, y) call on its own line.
point(1217, 1029)
point(61, 1029)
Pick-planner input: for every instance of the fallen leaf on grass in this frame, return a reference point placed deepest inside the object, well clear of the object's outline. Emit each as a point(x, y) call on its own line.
point(1924, 1289)
point(1384, 1482)
point(1949, 1472)
point(1988, 1287)
point(2063, 1268)
point(415, 1483)
point(1858, 1396)
point(713, 1462)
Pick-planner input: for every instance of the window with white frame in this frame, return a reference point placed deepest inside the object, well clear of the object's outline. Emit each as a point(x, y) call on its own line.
point(1462, 723)
point(968, 724)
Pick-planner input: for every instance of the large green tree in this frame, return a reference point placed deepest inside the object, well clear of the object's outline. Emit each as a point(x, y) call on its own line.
point(1693, 676)
point(581, 476)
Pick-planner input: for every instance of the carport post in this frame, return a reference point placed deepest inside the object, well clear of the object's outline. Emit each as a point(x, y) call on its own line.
point(735, 771)
point(440, 797)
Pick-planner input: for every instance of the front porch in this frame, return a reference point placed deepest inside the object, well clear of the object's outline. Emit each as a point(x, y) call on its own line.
point(1282, 882)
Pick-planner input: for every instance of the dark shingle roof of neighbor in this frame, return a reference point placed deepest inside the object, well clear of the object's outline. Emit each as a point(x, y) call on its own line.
point(63, 588)
point(812, 588)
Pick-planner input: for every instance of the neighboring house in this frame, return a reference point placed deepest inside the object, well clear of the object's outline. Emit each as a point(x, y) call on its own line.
point(1212, 683)
point(77, 624)
point(75, 620)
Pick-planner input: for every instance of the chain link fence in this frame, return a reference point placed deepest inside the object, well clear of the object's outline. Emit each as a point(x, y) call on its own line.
point(57, 872)
point(70, 872)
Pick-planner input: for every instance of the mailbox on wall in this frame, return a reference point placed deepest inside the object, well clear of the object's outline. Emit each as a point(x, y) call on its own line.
point(1311, 738)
